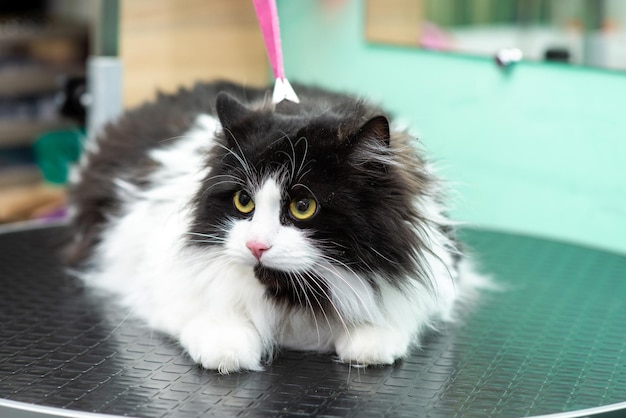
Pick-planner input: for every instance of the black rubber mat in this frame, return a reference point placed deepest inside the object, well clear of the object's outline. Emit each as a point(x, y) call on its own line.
point(554, 341)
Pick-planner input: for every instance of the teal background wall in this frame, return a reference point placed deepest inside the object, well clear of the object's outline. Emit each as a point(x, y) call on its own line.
point(539, 150)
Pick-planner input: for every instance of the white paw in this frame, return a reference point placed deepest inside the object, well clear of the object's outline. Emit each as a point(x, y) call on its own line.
point(226, 347)
point(371, 345)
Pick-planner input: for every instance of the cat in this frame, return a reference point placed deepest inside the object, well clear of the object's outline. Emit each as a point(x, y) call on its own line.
point(240, 227)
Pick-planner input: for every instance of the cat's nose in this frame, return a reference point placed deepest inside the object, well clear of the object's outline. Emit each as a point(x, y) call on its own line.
point(257, 248)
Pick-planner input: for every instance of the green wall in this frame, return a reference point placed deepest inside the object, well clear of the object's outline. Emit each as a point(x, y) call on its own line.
point(540, 150)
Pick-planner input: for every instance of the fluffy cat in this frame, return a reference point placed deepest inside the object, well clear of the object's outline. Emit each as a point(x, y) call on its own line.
point(238, 226)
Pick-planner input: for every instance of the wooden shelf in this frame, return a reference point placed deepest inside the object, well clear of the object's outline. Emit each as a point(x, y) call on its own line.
point(21, 82)
point(36, 53)
point(27, 81)
point(12, 34)
point(19, 176)
point(15, 133)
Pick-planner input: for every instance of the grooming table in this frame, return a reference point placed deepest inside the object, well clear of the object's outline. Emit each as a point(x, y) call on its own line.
point(554, 341)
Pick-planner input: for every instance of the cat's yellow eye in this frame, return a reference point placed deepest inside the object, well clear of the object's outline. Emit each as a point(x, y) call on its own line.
point(302, 209)
point(243, 202)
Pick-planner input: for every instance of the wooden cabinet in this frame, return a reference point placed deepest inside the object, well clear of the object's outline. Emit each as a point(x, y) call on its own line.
point(165, 44)
point(162, 44)
point(39, 49)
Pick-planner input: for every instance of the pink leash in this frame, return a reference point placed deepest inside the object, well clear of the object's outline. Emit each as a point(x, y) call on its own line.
point(267, 15)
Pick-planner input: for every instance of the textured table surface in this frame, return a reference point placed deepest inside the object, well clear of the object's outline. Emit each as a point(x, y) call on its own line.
point(554, 341)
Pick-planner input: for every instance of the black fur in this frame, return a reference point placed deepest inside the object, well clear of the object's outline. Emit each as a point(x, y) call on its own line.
point(366, 220)
point(335, 147)
point(122, 152)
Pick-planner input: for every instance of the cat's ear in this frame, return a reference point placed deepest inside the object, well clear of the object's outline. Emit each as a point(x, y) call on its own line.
point(229, 110)
point(375, 129)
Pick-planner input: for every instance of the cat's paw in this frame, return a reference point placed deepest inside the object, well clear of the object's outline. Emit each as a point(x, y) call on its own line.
point(371, 345)
point(228, 347)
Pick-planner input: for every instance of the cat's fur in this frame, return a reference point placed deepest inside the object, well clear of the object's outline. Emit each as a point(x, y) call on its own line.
point(155, 222)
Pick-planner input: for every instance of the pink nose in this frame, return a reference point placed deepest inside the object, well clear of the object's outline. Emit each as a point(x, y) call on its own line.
point(257, 248)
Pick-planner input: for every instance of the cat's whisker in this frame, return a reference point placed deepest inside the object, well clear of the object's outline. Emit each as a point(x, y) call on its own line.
point(229, 178)
point(304, 186)
point(302, 175)
point(304, 157)
point(285, 135)
point(336, 273)
point(292, 173)
point(210, 236)
point(281, 173)
point(216, 256)
point(291, 158)
point(222, 262)
point(172, 138)
point(205, 241)
point(332, 262)
point(128, 314)
point(299, 280)
point(294, 292)
point(330, 244)
point(206, 238)
point(314, 294)
point(332, 303)
point(383, 257)
point(277, 140)
point(236, 168)
point(202, 240)
point(235, 178)
point(208, 189)
point(361, 262)
point(240, 158)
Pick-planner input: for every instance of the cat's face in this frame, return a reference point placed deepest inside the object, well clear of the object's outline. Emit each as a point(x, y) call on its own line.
point(298, 198)
point(271, 231)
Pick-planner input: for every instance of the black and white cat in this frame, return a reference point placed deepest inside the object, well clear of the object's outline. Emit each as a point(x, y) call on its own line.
point(238, 226)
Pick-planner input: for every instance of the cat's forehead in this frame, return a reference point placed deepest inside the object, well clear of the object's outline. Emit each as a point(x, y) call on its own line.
point(308, 133)
point(307, 145)
point(290, 151)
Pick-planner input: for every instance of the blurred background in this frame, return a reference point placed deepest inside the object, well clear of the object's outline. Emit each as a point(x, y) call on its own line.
point(66, 66)
point(534, 146)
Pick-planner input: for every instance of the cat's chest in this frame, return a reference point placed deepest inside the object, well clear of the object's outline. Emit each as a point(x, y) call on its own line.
point(302, 331)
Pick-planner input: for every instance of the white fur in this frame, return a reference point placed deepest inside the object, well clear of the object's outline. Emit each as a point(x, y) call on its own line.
point(288, 247)
point(209, 297)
